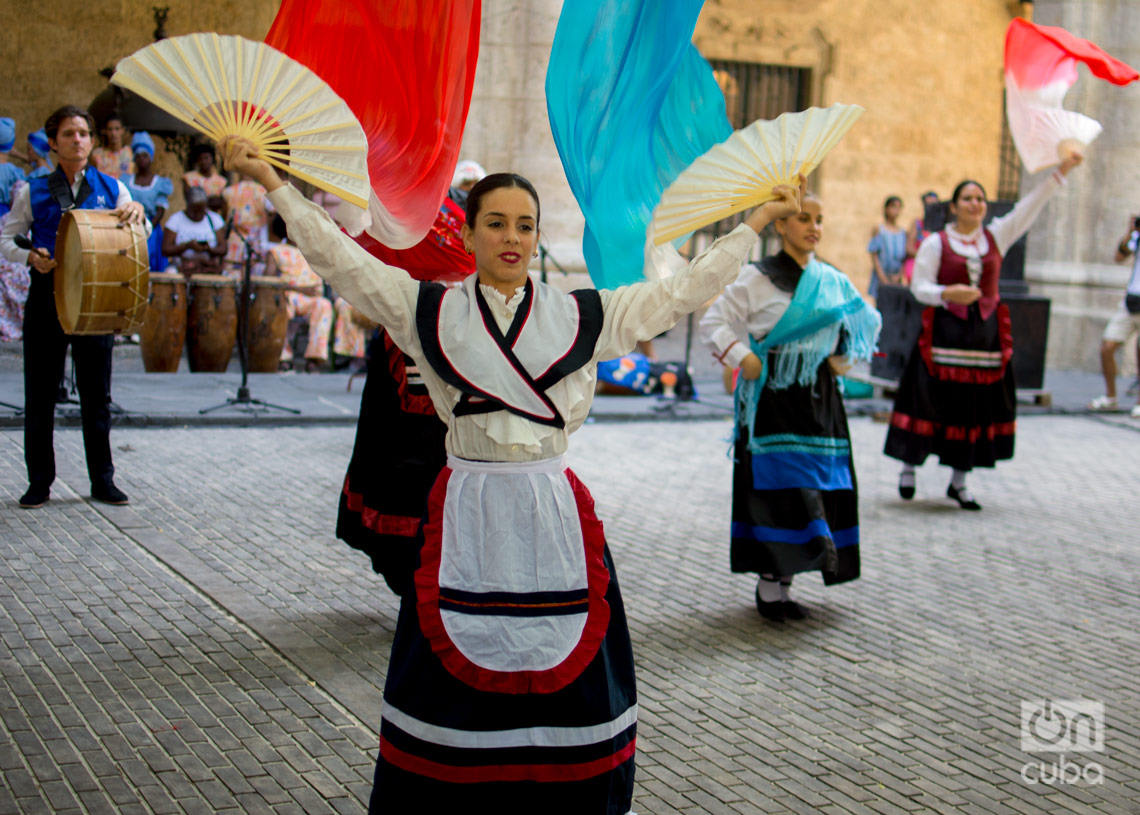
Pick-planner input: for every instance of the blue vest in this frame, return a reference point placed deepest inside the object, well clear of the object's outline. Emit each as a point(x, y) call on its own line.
point(46, 211)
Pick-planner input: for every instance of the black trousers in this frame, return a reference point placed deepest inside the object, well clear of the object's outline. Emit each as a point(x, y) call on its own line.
point(45, 347)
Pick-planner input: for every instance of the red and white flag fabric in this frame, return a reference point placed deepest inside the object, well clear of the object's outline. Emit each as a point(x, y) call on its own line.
point(406, 69)
point(1040, 67)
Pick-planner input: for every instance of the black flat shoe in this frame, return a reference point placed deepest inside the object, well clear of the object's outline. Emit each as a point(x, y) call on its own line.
point(110, 494)
point(794, 611)
point(34, 498)
point(906, 493)
point(971, 504)
point(773, 611)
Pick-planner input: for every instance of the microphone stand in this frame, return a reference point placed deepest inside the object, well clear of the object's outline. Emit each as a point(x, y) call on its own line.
point(243, 400)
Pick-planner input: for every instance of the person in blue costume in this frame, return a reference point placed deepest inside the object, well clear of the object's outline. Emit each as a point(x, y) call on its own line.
point(152, 191)
point(38, 208)
point(887, 248)
point(39, 154)
point(9, 173)
point(792, 324)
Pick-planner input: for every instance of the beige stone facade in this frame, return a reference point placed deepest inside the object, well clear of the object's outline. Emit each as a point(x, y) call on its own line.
point(53, 51)
point(929, 75)
point(1070, 256)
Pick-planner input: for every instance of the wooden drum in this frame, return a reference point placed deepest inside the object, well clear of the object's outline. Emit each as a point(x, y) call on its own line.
point(268, 321)
point(211, 322)
point(164, 329)
point(101, 276)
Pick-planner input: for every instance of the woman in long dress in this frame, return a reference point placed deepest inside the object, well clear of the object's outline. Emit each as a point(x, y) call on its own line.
point(791, 323)
point(510, 686)
point(957, 398)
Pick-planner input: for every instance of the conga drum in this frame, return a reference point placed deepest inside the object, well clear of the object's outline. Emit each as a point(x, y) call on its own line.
point(164, 329)
point(211, 322)
point(268, 321)
point(101, 273)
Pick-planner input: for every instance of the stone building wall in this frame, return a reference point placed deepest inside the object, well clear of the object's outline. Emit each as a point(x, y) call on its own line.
point(929, 75)
point(52, 52)
point(1070, 253)
point(508, 129)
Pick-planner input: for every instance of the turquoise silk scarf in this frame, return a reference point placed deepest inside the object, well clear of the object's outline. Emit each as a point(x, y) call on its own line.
point(824, 303)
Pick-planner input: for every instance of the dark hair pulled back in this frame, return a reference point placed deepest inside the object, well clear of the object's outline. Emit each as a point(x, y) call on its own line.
point(961, 186)
point(496, 181)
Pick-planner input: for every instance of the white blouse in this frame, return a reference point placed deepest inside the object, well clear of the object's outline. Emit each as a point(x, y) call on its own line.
point(974, 246)
point(389, 295)
point(750, 307)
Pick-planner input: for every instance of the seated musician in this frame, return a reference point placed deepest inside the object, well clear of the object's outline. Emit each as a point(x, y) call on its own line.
point(37, 209)
point(194, 239)
point(304, 297)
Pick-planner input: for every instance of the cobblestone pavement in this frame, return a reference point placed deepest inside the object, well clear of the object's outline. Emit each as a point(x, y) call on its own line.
point(212, 647)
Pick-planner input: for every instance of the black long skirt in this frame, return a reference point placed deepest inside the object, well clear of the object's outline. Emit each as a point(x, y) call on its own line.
point(398, 452)
point(459, 736)
point(957, 398)
point(795, 504)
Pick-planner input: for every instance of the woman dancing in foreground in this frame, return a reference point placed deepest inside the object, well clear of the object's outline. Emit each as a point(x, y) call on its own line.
point(510, 686)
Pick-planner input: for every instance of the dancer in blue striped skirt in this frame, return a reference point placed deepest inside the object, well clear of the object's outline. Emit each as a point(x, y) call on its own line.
point(790, 324)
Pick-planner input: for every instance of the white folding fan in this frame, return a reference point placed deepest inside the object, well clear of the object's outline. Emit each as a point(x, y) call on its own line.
point(231, 86)
point(740, 172)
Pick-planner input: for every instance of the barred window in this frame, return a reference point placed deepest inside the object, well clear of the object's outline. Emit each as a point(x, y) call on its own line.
point(754, 91)
point(1009, 164)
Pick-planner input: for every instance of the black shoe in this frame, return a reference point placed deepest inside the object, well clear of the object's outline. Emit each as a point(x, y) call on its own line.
point(794, 611)
point(906, 493)
point(773, 611)
point(110, 494)
point(953, 492)
point(34, 498)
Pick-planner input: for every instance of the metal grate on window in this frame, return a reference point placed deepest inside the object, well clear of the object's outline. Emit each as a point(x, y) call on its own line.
point(1009, 165)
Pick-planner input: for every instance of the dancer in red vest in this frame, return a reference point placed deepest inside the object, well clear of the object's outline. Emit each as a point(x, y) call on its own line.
point(957, 396)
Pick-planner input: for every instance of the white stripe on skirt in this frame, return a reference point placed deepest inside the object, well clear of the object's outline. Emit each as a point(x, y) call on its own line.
point(519, 737)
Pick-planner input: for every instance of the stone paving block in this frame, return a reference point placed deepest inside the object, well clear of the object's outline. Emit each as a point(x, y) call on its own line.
point(253, 804)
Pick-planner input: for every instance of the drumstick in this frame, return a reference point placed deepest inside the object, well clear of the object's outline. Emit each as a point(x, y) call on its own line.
point(23, 243)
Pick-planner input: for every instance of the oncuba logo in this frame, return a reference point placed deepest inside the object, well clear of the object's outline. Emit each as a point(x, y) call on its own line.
point(1062, 726)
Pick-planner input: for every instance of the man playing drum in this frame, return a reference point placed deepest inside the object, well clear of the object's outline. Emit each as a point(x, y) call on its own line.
point(37, 209)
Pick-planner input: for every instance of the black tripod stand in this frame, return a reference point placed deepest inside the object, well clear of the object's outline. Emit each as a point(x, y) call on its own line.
point(243, 400)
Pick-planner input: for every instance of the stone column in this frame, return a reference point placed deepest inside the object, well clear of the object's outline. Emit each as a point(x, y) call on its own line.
point(1071, 246)
point(1084, 221)
point(507, 127)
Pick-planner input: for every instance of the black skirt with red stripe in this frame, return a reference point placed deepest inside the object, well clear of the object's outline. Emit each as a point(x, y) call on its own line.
point(397, 455)
point(957, 398)
point(456, 738)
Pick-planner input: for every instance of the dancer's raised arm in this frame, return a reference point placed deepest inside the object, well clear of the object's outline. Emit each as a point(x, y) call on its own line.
point(643, 310)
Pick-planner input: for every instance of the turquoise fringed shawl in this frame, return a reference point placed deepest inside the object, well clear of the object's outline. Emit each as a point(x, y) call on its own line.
point(825, 302)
